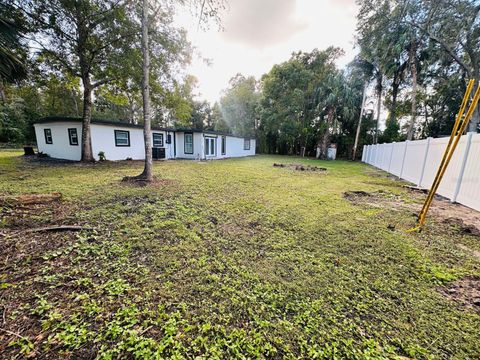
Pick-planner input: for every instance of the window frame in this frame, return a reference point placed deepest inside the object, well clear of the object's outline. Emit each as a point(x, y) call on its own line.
point(49, 142)
point(116, 140)
point(70, 132)
point(153, 139)
point(224, 145)
point(245, 142)
point(185, 143)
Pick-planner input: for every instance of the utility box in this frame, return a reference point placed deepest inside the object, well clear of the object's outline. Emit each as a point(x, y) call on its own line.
point(332, 152)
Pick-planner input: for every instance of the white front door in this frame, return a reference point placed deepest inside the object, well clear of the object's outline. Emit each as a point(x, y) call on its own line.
point(210, 146)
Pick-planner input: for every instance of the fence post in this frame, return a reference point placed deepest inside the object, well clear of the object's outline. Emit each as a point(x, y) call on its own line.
point(462, 168)
point(427, 147)
point(377, 150)
point(391, 156)
point(363, 152)
point(403, 160)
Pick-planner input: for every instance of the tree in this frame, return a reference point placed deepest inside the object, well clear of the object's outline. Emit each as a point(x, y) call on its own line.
point(12, 50)
point(147, 174)
point(455, 27)
point(239, 103)
point(85, 39)
point(333, 96)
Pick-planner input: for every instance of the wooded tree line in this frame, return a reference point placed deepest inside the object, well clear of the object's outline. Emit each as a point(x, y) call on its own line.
point(83, 58)
point(415, 58)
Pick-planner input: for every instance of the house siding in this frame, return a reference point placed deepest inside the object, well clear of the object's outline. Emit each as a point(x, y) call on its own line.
point(103, 139)
point(60, 147)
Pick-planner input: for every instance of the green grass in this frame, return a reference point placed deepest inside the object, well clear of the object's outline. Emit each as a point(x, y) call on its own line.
point(226, 259)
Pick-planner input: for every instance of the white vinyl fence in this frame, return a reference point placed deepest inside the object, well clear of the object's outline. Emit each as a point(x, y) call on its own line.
point(417, 161)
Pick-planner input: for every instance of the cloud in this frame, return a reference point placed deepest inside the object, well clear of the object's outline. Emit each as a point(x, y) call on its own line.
point(261, 23)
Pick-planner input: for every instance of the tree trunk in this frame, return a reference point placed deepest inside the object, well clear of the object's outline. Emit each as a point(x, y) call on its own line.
point(75, 103)
point(87, 155)
point(3, 98)
point(147, 174)
point(359, 126)
point(473, 125)
point(379, 89)
point(395, 87)
point(325, 139)
point(413, 70)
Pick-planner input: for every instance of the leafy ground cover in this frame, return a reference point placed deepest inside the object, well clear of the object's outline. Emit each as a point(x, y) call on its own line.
point(228, 259)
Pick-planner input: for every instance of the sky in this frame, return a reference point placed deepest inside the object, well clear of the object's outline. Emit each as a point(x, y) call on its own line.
point(257, 34)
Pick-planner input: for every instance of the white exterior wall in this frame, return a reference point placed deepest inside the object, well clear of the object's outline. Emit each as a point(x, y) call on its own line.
point(234, 147)
point(60, 147)
point(103, 139)
point(197, 146)
point(418, 161)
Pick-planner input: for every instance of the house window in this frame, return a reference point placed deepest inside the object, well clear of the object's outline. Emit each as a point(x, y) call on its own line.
point(122, 138)
point(48, 136)
point(246, 144)
point(157, 140)
point(73, 136)
point(188, 145)
point(224, 145)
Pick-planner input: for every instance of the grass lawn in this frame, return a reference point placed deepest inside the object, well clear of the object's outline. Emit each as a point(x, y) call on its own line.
point(227, 259)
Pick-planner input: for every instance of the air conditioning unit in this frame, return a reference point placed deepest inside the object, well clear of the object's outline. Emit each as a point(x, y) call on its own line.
point(158, 153)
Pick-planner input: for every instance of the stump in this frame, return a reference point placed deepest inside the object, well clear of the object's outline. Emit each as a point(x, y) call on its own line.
point(28, 150)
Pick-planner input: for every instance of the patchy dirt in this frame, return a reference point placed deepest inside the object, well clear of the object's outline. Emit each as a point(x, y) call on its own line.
point(464, 227)
point(28, 199)
point(464, 219)
point(136, 181)
point(299, 167)
point(464, 291)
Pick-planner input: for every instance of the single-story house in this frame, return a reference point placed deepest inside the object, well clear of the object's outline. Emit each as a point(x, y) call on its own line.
point(60, 137)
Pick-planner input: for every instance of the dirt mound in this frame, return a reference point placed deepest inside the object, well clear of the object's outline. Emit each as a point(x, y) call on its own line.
point(464, 291)
point(466, 228)
point(299, 167)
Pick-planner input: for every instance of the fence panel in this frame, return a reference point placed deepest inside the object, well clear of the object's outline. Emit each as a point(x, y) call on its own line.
point(417, 161)
point(397, 158)
point(469, 192)
point(413, 164)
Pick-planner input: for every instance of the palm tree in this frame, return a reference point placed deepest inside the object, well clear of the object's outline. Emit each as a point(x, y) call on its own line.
point(332, 95)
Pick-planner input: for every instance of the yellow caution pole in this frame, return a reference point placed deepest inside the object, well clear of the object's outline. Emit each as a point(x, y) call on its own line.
point(458, 120)
point(458, 129)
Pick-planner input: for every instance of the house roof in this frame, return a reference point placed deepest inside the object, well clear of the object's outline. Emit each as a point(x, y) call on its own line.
point(55, 119)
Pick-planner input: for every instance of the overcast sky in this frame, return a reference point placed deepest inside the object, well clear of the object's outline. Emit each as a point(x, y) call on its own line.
point(260, 33)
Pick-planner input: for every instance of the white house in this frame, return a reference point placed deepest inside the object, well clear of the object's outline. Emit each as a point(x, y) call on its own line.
point(60, 137)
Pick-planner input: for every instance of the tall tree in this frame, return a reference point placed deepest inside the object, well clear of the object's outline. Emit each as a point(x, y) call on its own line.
point(239, 103)
point(12, 50)
point(147, 173)
point(84, 38)
point(455, 27)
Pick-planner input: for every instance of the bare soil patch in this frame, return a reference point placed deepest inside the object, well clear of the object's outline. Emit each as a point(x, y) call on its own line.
point(466, 292)
point(29, 199)
point(466, 220)
point(299, 167)
point(140, 182)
